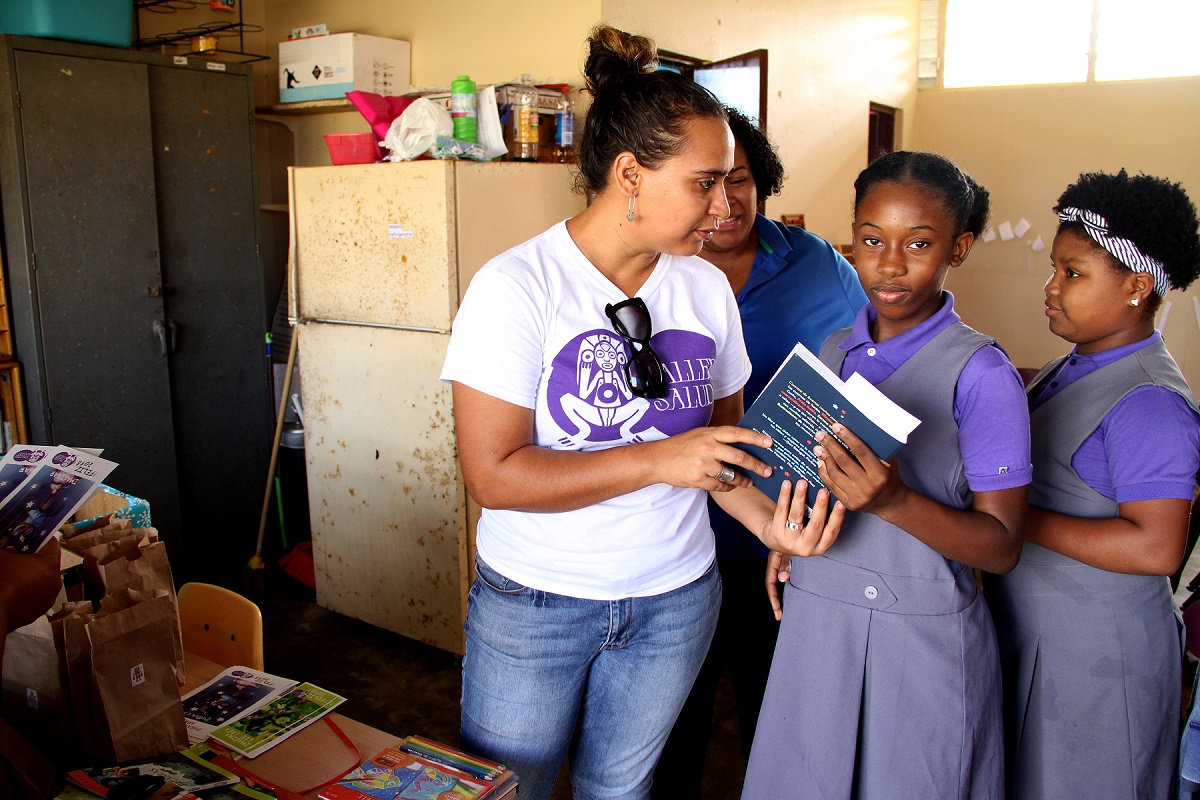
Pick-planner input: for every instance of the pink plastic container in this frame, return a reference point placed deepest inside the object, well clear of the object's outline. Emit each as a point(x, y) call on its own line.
point(353, 148)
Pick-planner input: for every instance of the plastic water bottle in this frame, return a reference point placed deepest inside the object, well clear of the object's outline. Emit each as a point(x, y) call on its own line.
point(463, 108)
point(525, 121)
point(564, 133)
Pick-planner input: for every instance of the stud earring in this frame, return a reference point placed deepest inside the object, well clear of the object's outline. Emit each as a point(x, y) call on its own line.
point(632, 205)
point(1137, 301)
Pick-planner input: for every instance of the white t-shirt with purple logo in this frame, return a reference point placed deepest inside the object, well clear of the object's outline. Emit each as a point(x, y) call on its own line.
point(532, 331)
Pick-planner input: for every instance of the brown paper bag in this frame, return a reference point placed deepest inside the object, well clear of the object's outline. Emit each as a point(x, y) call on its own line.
point(134, 562)
point(35, 696)
point(133, 674)
point(70, 631)
point(79, 542)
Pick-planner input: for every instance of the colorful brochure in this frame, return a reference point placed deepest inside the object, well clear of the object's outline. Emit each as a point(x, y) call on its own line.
point(397, 775)
point(260, 730)
point(180, 773)
point(235, 693)
point(56, 482)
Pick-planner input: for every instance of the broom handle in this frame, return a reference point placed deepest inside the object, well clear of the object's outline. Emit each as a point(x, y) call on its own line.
point(287, 384)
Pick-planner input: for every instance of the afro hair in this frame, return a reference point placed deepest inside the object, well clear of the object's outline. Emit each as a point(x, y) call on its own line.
point(1151, 212)
point(765, 166)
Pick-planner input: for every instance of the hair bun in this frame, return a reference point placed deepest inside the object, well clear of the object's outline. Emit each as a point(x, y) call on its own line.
point(615, 56)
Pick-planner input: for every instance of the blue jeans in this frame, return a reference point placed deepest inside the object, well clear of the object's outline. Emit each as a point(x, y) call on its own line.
point(546, 676)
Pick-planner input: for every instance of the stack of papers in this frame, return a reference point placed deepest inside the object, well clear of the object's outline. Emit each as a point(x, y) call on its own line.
point(250, 712)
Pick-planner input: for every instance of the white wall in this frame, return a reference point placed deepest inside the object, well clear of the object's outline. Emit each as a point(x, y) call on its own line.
point(827, 61)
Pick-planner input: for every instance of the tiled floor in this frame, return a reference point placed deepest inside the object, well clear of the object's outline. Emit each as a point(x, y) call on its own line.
point(403, 687)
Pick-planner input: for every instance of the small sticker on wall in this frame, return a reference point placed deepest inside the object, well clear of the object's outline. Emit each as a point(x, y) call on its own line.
point(1021, 227)
point(1038, 244)
point(137, 675)
point(179, 61)
point(1005, 230)
point(31, 698)
point(1163, 313)
point(989, 234)
point(396, 231)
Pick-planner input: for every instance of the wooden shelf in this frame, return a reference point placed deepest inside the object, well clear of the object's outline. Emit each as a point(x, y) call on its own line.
point(12, 404)
point(307, 107)
point(12, 397)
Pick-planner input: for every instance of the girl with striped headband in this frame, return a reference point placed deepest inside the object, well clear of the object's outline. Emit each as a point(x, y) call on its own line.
point(1089, 645)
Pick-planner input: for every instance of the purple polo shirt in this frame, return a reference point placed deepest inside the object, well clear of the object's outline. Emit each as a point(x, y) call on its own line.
point(989, 401)
point(1125, 459)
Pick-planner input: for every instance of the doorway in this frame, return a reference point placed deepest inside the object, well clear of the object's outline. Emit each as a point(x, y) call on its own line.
point(881, 131)
point(740, 81)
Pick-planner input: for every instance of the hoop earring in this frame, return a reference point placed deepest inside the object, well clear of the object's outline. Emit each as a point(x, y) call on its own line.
point(632, 205)
point(717, 225)
point(1135, 301)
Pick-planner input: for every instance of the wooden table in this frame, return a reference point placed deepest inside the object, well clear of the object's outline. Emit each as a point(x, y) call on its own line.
point(308, 758)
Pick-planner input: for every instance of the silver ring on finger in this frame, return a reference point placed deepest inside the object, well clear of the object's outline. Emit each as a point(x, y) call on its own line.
point(792, 526)
point(726, 474)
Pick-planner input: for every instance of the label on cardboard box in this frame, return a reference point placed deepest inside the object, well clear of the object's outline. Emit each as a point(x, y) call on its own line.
point(307, 31)
point(326, 67)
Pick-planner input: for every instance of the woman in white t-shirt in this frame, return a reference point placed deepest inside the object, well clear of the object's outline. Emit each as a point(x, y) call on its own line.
point(586, 365)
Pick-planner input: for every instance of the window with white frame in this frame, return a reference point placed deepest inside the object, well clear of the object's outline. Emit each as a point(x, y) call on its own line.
point(1010, 42)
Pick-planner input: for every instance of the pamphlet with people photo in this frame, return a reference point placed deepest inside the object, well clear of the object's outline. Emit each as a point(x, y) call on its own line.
point(233, 694)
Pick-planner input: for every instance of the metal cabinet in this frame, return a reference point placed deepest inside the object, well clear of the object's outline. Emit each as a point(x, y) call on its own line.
point(128, 192)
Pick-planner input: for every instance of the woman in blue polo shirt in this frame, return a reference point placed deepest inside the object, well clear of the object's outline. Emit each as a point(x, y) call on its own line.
point(791, 286)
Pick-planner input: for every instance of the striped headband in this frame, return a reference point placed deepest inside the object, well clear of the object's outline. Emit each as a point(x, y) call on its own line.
point(1122, 250)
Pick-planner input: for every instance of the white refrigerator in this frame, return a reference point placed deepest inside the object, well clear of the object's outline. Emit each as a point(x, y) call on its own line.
point(380, 256)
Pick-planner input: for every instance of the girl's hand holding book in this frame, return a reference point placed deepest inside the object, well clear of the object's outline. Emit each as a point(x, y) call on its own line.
point(860, 479)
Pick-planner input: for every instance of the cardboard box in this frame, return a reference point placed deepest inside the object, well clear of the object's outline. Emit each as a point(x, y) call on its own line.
point(326, 67)
point(110, 501)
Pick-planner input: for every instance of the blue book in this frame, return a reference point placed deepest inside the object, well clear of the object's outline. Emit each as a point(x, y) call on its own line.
point(804, 397)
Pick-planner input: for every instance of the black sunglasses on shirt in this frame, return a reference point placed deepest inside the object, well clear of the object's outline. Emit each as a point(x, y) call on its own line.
point(644, 370)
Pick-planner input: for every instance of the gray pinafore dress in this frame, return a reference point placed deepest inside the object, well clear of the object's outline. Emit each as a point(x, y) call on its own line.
point(886, 680)
point(1091, 659)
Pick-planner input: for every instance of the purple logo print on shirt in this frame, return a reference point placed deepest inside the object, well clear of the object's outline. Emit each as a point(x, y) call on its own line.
point(589, 398)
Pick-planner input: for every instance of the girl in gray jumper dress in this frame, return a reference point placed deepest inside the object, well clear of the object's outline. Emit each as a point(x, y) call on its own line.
point(1089, 643)
point(886, 678)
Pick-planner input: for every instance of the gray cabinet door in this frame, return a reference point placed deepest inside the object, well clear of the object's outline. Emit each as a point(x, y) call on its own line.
point(95, 293)
point(213, 283)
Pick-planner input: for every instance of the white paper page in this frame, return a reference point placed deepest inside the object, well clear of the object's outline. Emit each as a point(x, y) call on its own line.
point(897, 422)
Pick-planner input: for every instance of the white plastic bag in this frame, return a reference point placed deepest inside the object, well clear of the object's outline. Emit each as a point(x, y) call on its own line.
point(416, 130)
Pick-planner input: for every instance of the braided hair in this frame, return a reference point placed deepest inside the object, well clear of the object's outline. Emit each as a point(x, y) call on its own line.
point(966, 201)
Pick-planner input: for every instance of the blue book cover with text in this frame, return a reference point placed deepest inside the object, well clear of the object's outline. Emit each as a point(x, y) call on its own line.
point(803, 398)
